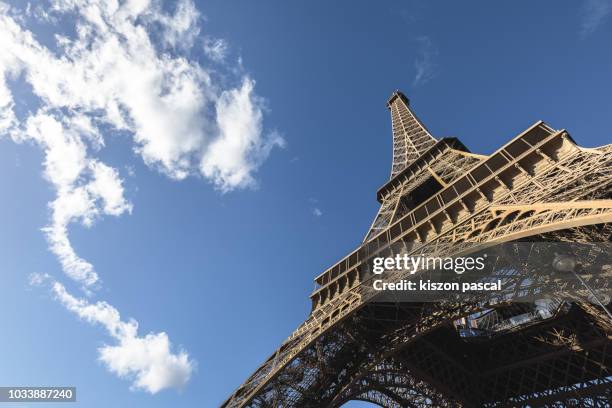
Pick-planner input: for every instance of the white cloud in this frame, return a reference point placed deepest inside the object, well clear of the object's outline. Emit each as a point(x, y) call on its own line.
point(593, 14)
point(7, 117)
point(114, 72)
point(317, 212)
point(65, 162)
point(127, 70)
point(240, 148)
point(107, 186)
point(424, 63)
point(148, 361)
point(86, 188)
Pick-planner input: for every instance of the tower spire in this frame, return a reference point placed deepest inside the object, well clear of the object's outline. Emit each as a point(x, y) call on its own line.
point(410, 137)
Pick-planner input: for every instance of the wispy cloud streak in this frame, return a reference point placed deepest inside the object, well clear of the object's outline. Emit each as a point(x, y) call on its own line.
point(425, 65)
point(593, 14)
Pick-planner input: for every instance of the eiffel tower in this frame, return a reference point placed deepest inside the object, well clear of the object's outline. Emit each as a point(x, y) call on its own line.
point(540, 186)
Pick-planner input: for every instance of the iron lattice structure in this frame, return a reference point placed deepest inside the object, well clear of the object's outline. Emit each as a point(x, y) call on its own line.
point(540, 186)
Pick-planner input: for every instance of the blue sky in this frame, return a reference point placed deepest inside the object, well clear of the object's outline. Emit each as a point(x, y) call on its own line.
point(214, 220)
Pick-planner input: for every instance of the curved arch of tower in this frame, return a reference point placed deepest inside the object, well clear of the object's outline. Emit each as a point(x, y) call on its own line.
point(442, 199)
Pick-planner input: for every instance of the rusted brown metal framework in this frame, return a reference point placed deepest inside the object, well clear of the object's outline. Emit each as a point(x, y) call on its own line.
point(442, 199)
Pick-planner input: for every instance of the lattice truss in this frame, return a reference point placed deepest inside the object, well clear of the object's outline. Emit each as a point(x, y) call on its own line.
point(538, 187)
point(410, 137)
point(445, 169)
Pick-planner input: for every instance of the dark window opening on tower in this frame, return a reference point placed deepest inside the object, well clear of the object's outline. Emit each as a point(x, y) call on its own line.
point(421, 193)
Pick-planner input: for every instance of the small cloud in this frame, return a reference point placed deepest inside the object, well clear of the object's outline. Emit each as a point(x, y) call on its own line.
point(179, 29)
point(593, 14)
point(424, 63)
point(215, 48)
point(314, 208)
point(131, 170)
point(38, 279)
